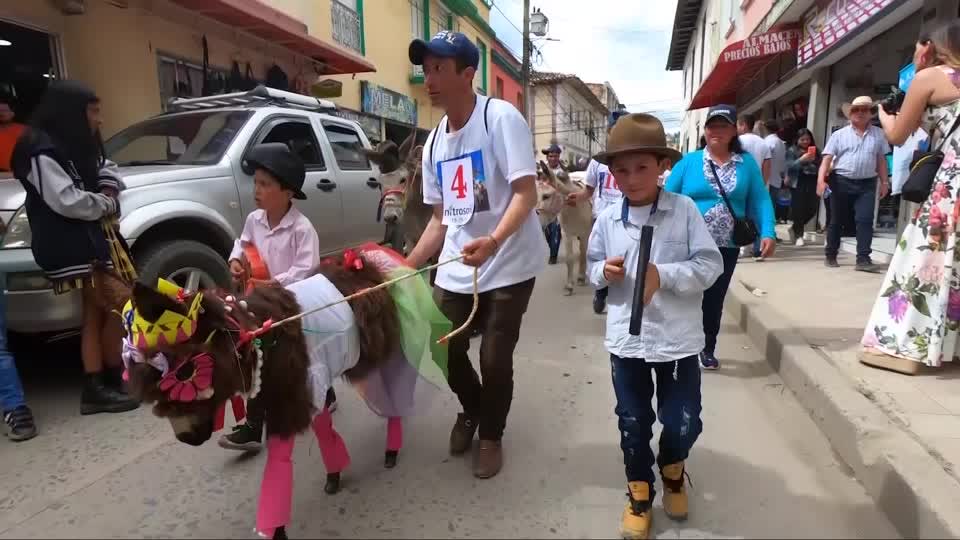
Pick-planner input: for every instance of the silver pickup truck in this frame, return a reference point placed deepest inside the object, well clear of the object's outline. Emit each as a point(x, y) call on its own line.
point(189, 191)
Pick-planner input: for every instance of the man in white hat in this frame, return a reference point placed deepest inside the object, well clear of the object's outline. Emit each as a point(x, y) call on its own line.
point(853, 160)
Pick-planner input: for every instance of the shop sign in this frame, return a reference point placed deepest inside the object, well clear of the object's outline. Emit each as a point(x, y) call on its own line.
point(380, 101)
point(369, 124)
point(825, 26)
point(760, 45)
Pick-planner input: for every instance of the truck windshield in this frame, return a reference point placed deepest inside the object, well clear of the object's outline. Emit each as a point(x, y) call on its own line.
point(197, 138)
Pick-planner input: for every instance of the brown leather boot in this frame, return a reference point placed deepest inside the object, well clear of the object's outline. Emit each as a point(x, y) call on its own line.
point(637, 517)
point(461, 437)
point(675, 503)
point(489, 459)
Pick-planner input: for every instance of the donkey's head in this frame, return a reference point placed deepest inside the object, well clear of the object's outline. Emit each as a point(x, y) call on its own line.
point(399, 171)
point(549, 198)
point(188, 353)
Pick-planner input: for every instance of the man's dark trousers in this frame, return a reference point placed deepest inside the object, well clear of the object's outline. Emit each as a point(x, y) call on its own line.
point(857, 197)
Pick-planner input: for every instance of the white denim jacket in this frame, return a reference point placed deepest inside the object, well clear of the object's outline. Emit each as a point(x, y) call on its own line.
point(687, 260)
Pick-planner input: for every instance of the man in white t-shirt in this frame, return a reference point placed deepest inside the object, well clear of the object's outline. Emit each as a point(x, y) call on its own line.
point(778, 167)
point(480, 176)
point(602, 184)
point(757, 147)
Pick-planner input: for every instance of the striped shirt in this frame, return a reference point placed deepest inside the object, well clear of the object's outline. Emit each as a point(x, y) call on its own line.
point(856, 156)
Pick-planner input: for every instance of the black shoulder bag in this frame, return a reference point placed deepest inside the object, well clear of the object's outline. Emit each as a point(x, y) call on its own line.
point(744, 230)
point(923, 171)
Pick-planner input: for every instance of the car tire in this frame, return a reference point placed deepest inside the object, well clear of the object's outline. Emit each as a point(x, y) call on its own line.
point(167, 258)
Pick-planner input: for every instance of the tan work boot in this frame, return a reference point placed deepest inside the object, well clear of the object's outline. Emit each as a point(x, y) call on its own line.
point(636, 516)
point(675, 503)
point(488, 460)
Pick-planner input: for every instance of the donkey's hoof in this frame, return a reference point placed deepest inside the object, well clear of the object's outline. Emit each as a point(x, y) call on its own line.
point(581, 281)
point(280, 533)
point(333, 484)
point(390, 459)
point(568, 290)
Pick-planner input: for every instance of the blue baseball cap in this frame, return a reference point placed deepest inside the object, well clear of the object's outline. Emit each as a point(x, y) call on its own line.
point(445, 45)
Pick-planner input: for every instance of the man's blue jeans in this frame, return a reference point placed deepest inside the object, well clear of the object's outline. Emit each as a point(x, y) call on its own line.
point(553, 234)
point(11, 391)
point(849, 196)
point(678, 407)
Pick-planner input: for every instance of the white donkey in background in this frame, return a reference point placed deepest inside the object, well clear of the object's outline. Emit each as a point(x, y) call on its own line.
point(575, 221)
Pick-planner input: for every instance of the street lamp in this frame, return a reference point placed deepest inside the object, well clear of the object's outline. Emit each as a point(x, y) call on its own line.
point(538, 23)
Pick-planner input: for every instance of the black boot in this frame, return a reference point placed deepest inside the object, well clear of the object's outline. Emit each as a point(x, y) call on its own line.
point(113, 379)
point(333, 483)
point(280, 533)
point(97, 397)
point(390, 459)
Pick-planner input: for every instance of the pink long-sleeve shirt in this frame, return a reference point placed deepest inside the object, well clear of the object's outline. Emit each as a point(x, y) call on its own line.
point(291, 250)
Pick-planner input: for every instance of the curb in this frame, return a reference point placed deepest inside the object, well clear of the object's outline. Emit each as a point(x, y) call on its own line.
point(904, 480)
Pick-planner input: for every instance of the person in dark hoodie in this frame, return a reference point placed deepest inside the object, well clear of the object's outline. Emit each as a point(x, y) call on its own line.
point(72, 208)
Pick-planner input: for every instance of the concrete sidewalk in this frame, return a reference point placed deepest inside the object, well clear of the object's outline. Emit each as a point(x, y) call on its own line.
point(900, 434)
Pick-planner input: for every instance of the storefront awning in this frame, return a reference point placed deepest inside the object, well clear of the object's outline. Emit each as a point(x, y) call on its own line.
point(741, 60)
point(274, 26)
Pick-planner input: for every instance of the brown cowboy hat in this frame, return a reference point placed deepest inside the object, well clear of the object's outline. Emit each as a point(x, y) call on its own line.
point(859, 101)
point(637, 132)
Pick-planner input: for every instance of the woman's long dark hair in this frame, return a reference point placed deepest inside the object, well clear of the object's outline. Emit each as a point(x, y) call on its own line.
point(62, 115)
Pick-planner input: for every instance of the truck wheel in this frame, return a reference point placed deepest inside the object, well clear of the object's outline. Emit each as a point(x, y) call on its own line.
point(192, 265)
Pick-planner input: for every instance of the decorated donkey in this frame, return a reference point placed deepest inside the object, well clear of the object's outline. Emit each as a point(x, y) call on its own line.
point(575, 221)
point(189, 353)
point(402, 206)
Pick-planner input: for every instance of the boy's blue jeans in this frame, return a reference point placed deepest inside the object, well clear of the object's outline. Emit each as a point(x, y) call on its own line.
point(678, 407)
point(11, 391)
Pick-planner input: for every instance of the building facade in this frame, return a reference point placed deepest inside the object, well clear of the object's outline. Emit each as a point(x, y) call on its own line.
point(565, 110)
point(154, 51)
point(607, 95)
point(797, 61)
point(506, 76)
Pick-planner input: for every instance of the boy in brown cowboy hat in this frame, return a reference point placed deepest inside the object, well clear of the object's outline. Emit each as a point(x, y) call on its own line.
point(684, 261)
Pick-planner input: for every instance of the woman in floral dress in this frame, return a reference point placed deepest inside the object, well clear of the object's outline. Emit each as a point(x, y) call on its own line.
point(916, 318)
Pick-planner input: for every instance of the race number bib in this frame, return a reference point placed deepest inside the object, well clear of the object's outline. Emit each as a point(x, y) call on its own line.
point(609, 188)
point(462, 186)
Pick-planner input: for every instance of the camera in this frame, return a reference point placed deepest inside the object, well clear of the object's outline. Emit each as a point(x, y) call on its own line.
point(892, 103)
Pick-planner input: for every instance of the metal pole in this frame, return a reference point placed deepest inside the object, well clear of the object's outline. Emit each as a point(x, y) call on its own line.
point(525, 75)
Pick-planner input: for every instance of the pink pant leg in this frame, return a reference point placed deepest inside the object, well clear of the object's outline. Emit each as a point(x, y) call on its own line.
point(332, 448)
point(276, 490)
point(394, 433)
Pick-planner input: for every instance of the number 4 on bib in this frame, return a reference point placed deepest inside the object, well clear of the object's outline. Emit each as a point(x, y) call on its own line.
point(456, 183)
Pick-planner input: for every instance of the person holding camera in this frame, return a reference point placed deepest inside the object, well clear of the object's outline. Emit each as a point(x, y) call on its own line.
point(916, 317)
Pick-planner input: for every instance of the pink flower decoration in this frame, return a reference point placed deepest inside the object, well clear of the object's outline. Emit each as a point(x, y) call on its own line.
point(191, 378)
point(936, 217)
point(931, 270)
point(949, 157)
point(869, 339)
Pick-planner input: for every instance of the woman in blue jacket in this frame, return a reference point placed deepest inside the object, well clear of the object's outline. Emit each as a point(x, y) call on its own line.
point(743, 182)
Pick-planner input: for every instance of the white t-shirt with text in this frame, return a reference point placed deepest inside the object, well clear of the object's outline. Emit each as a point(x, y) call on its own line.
point(470, 172)
point(778, 160)
point(756, 147)
point(606, 189)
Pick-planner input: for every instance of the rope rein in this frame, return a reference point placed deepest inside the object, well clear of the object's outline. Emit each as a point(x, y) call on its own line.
point(270, 324)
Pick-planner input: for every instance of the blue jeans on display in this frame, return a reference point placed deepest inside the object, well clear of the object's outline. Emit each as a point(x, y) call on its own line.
point(553, 234)
point(851, 196)
point(678, 407)
point(11, 391)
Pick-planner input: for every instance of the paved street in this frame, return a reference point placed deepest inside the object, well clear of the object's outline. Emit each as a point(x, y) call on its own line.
point(760, 469)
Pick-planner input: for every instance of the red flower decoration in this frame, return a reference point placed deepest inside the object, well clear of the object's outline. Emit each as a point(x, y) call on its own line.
point(352, 261)
point(190, 379)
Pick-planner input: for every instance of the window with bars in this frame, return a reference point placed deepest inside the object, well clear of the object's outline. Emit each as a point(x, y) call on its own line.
point(416, 18)
point(347, 28)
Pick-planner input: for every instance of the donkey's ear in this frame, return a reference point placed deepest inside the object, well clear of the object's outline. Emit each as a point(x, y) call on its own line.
point(407, 145)
point(151, 304)
point(416, 155)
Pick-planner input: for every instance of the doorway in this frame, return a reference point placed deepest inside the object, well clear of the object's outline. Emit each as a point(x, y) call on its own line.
point(26, 66)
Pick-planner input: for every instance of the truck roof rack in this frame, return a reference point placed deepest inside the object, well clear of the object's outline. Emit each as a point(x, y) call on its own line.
point(258, 97)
